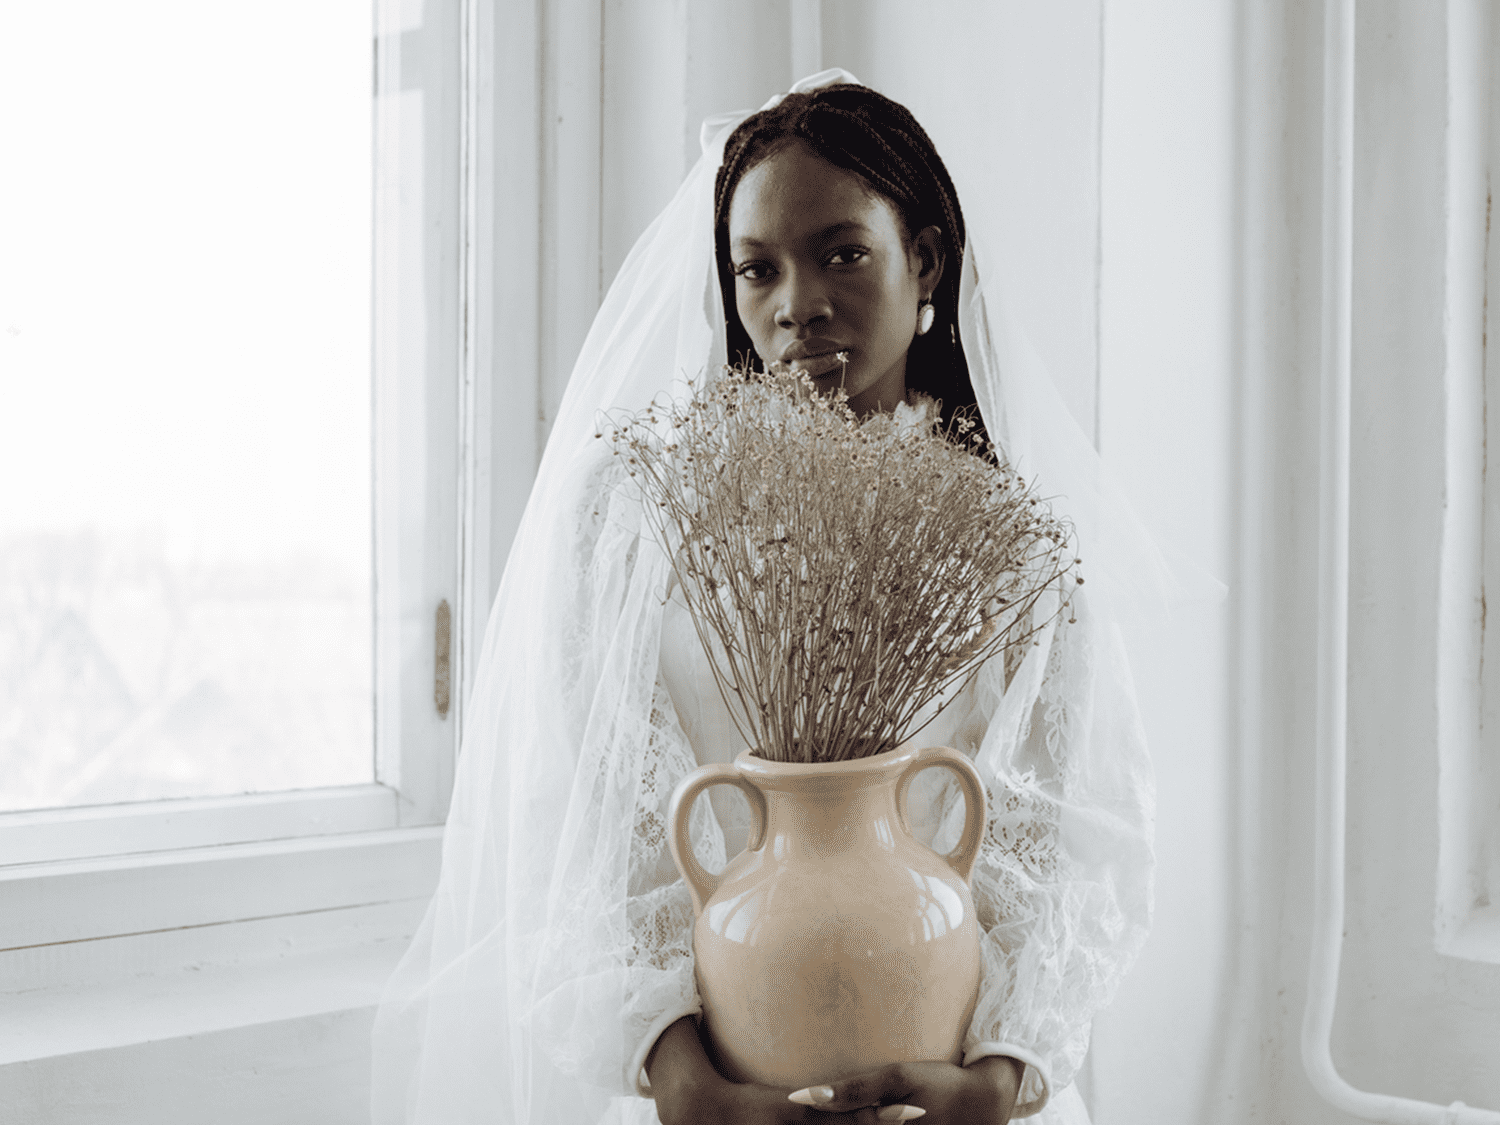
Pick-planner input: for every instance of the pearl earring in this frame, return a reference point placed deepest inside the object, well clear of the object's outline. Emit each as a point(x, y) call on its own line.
point(925, 317)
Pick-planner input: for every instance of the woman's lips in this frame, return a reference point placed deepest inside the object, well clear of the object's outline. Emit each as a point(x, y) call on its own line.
point(826, 363)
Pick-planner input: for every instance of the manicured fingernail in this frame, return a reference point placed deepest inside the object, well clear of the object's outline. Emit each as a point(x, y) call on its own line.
point(899, 1113)
point(812, 1095)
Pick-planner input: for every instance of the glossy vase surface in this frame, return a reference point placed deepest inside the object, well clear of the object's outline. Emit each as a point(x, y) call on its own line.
point(836, 942)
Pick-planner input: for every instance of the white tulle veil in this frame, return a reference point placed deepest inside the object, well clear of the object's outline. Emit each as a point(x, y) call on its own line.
point(527, 991)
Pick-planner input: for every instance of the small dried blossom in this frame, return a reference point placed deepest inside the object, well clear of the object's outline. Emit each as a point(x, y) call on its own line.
point(842, 574)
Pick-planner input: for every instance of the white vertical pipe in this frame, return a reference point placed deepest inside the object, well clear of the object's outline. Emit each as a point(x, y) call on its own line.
point(1333, 542)
point(1333, 606)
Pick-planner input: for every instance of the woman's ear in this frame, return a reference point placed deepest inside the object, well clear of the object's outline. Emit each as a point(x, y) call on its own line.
point(928, 246)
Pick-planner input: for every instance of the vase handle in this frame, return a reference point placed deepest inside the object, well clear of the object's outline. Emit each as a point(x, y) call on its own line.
point(702, 882)
point(962, 857)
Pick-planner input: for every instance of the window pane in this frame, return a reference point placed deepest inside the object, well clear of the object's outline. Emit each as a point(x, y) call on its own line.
point(184, 399)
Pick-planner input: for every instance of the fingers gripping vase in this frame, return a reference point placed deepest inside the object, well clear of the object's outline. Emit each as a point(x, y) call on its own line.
point(835, 942)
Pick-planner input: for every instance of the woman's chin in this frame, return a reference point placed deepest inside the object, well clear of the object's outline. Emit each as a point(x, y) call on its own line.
point(832, 381)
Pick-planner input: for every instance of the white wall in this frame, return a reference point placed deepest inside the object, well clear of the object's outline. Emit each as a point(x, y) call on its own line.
point(1211, 287)
point(1167, 328)
point(1012, 105)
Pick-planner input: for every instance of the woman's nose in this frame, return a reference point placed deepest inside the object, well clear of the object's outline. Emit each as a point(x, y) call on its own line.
point(802, 301)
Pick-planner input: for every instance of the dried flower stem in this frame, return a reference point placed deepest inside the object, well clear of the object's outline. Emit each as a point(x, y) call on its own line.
point(843, 574)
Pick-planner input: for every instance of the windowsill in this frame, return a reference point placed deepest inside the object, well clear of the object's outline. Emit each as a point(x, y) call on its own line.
point(47, 835)
point(50, 905)
point(343, 968)
point(103, 954)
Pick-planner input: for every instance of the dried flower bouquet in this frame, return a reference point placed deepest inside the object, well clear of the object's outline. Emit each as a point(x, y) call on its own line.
point(843, 574)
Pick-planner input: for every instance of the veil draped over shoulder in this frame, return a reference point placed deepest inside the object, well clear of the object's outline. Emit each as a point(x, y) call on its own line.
point(558, 944)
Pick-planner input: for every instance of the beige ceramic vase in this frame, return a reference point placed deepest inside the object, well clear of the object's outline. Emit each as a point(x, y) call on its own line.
point(835, 943)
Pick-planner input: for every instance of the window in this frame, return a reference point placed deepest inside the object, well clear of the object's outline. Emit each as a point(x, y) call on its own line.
point(349, 841)
point(185, 360)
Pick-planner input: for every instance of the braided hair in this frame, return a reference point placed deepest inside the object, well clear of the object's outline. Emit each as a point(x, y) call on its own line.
point(854, 128)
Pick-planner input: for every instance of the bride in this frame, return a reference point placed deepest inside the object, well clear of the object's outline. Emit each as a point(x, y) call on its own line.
point(552, 979)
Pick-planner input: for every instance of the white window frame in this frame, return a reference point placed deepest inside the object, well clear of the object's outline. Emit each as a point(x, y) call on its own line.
point(78, 875)
point(1468, 890)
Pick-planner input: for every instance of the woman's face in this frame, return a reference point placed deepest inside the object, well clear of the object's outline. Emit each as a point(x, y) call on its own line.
point(822, 265)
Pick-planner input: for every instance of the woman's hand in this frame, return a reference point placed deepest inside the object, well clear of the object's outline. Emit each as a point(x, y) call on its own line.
point(689, 1091)
point(982, 1094)
point(732, 1103)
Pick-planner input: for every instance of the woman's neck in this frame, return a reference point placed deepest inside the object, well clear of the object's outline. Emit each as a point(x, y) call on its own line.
point(881, 397)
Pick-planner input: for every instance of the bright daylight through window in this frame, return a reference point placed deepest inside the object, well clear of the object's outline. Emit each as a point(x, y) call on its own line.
point(185, 558)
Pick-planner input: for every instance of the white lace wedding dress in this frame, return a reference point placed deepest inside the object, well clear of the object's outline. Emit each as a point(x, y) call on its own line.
point(1062, 883)
point(557, 946)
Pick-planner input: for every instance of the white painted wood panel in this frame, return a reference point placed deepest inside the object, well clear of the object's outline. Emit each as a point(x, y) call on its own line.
point(418, 371)
point(1411, 1021)
point(312, 1070)
point(83, 900)
point(295, 971)
point(502, 313)
point(1468, 915)
point(571, 280)
point(61, 834)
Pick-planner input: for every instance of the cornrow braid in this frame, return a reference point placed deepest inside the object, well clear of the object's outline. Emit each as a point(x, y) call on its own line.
point(855, 128)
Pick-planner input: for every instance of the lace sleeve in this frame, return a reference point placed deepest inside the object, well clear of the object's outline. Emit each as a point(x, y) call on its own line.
point(1062, 886)
point(659, 908)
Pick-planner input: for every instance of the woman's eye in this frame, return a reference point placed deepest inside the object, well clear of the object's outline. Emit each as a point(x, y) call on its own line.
point(847, 255)
point(752, 271)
